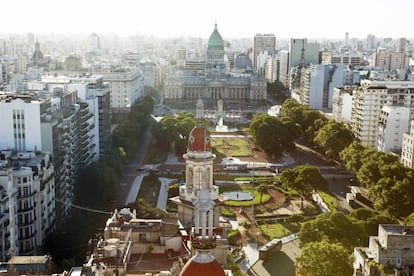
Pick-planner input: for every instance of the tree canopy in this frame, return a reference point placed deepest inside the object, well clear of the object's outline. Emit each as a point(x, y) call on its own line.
point(127, 134)
point(174, 128)
point(323, 258)
point(332, 138)
point(303, 179)
point(273, 135)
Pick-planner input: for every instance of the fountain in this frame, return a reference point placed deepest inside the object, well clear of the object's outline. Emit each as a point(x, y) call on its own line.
point(220, 126)
point(237, 195)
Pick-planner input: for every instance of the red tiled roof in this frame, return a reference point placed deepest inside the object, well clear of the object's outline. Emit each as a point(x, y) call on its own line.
point(199, 140)
point(192, 268)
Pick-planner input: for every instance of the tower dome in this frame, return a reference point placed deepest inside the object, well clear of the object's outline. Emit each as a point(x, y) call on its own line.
point(199, 140)
point(215, 40)
point(202, 264)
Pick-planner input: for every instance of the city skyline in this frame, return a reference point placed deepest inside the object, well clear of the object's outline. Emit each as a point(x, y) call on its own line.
point(299, 18)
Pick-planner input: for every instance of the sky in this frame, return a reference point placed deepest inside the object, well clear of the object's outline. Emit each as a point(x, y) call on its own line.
point(235, 19)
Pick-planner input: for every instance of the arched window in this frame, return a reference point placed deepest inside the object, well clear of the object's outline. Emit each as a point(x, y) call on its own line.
point(199, 178)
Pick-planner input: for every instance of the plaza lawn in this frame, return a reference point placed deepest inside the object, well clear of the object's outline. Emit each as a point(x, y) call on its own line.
point(246, 203)
point(149, 190)
point(329, 200)
point(276, 230)
point(237, 147)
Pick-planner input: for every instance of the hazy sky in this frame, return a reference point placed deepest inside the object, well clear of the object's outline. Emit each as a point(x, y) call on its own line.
point(235, 18)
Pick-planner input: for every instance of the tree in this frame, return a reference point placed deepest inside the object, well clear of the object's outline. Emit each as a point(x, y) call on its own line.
point(332, 138)
point(272, 134)
point(335, 226)
point(310, 121)
point(262, 189)
point(409, 220)
point(352, 155)
point(303, 179)
point(174, 128)
point(323, 258)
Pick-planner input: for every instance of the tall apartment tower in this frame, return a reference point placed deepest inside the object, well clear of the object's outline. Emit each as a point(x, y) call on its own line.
point(27, 185)
point(407, 152)
point(388, 61)
point(263, 43)
point(346, 42)
point(300, 50)
point(368, 101)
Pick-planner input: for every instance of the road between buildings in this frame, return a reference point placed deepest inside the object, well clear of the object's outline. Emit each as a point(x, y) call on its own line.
point(129, 182)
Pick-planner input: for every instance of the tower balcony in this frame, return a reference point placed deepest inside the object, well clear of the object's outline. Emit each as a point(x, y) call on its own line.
point(203, 242)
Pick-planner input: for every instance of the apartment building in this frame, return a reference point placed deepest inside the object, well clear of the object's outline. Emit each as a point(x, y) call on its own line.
point(342, 103)
point(263, 43)
point(368, 101)
point(127, 87)
point(55, 123)
point(407, 152)
point(313, 85)
point(393, 248)
point(393, 123)
point(27, 179)
point(388, 61)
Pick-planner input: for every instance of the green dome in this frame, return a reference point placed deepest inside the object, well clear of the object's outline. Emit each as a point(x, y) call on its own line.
point(215, 40)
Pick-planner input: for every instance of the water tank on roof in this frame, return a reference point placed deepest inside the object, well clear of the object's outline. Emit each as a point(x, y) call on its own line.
point(113, 241)
point(110, 251)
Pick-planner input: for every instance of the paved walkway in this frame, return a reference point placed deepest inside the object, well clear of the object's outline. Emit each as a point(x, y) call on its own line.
point(252, 255)
point(133, 192)
point(163, 194)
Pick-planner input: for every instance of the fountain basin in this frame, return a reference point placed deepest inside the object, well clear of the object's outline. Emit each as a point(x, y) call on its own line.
point(237, 195)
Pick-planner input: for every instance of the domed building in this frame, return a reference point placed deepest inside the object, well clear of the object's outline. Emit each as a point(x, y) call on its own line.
point(38, 58)
point(217, 81)
point(215, 52)
point(203, 240)
point(199, 174)
point(198, 204)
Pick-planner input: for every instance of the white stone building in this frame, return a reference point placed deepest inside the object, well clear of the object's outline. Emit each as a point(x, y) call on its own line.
point(407, 152)
point(368, 101)
point(313, 85)
point(393, 247)
point(263, 43)
point(127, 87)
point(342, 103)
point(32, 176)
point(393, 123)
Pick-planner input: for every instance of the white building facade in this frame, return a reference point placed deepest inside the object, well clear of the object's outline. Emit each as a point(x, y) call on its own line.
point(368, 101)
point(393, 123)
point(407, 152)
point(127, 87)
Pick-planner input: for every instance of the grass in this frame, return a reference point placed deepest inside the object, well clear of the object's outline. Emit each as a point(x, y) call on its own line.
point(278, 230)
point(227, 213)
point(237, 147)
point(329, 200)
point(246, 203)
point(257, 180)
point(149, 190)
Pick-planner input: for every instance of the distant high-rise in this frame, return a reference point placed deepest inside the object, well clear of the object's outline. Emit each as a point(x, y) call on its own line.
point(263, 43)
point(401, 44)
point(94, 43)
point(389, 61)
point(346, 42)
point(371, 42)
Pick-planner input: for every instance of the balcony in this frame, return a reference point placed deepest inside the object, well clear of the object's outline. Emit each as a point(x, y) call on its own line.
point(27, 209)
point(26, 195)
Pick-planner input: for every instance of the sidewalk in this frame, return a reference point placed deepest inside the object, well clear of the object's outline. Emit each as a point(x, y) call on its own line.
point(163, 194)
point(133, 192)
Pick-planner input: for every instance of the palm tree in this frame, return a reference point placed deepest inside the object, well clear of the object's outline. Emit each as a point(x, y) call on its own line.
point(262, 188)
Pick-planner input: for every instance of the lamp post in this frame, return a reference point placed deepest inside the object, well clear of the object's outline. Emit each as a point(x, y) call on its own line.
point(253, 190)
